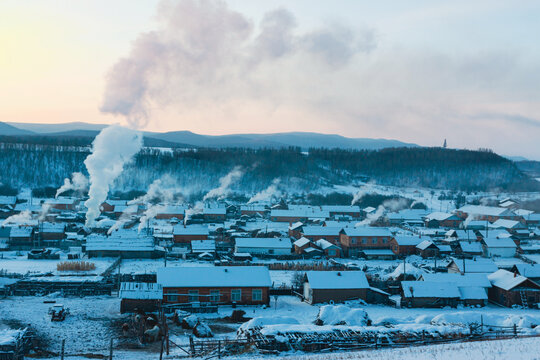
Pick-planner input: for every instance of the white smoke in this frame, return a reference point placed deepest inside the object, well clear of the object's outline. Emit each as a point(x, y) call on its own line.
point(22, 218)
point(149, 214)
point(224, 184)
point(363, 191)
point(388, 205)
point(112, 149)
point(268, 193)
point(45, 208)
point(196, 209)
point(372, 217)
point(79, 183)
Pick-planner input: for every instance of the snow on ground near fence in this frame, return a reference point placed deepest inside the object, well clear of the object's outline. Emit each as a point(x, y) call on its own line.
point(20, 264)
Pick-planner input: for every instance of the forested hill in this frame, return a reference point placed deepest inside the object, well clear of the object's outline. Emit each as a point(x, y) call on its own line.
point(197, 170)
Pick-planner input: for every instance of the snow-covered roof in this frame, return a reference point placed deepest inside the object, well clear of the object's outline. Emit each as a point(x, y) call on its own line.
point(497, 233)
point(60, 201)
point(471, 246)
point(477, 265)
point(141, 291)
point(218, 276)
point(49, 227)
point(172, 209)
point(466, 280)
point(485, 210)
point(120, 241)
point(439, 216)
point(271, 243)
point(428, 289)
point(341, 208)
point(203, 246)
point(499, 243)
point(529, 270)
point(215, 211)
point(424, 245)
point(505, 280)
point(367, 231)
point(301, 242)
point(472, 293)
point(340, 224)
point(128, 209)
point(523, 212)
point(407, 240)
point(337, 280)
point(506, 224)
point(190, 230)
point(115, 202)
point(253, 208)
point(296, 225)
point(408, 215)
point(325, 244)
point(321, 231)
point(301, 213)
point(8, 200)
point(21, 231)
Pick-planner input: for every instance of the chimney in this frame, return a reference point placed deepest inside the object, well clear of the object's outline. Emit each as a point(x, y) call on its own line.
point(515, 273)
point(339, 273)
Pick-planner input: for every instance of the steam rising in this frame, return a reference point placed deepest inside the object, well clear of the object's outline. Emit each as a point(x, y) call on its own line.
point(268, 193)
point(22, 218)
point(79, 182)
point(224, 184)
point(112, 148)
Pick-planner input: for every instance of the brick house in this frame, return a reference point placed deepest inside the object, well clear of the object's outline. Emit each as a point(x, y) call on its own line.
point(313, 233)
point(510, 289)
point(183, 234)
point(353, 240)
point(403, 245)
point(243, 285)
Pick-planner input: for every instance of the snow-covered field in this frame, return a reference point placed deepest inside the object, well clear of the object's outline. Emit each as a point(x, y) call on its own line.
point(18, 263)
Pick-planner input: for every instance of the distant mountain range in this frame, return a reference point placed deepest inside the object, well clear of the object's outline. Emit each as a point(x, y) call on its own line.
point(303, 140)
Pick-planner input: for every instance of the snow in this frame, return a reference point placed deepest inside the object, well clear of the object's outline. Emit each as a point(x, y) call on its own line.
point(342, 315)
point(337, 280)
point(407, 269)
point(210, 276)
point(505, 279)
point(428, 289)
point(265, 321)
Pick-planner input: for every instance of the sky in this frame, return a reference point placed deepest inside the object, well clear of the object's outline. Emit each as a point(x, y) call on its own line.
point(416, 71)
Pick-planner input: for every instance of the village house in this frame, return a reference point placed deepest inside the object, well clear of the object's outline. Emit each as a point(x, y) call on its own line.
point(168, 212)
point(307, 248)
point(264, 246)
point(427, 249)
point(242, 285)
point(252, 210)
point(21, 237)
point(510, 289)
point(52, 233)
point(125, 210)
point(344, 210)
point(467, 266)
point(335, 286)
point(140, 296)
point(411, 217)
point(61, 203)
point(470, 248)
point(204, 248)
point(330, 234)
point(429, 294)
point(298, 214)
point(217, 214)
point(108, 205)
point(444, 220)
point(473, 288)
point(509, 225)
point(378, 254)
point(128, 244)
point(530, 271)
point(404, 245)
point(504, 247)
point(329, 249)
point(486, 213)
point(353, 240)
point(183, 234)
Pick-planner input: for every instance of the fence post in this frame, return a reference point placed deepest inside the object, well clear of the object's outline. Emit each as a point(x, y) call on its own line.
point(110, 350)
point(219, 349)
point(63, 346)
point(515, 330)
point(161, 350)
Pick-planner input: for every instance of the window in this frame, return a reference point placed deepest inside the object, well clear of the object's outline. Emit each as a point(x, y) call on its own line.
point(332, 252)
point(256, 295)
point(364, 240)
point(384, 240)
point(236, 295)
point(374, 240)
point(270, 251)
point(172, 297)
point(193, 295)
point(214, 295)
point(353, 240)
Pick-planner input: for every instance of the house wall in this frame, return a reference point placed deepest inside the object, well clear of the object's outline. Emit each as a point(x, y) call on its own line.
point(315, 296)
point(352, 245)
point(132, 305)
point(513, 297)
point(187, 239)
point(502, 252)
point(170, 216)
point(428, 302)
point(123, 254)
point(225, 295)
point(262, 251)
point(334, 239)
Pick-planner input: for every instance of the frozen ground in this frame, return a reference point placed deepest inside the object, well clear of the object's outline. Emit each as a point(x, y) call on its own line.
point(18, 263)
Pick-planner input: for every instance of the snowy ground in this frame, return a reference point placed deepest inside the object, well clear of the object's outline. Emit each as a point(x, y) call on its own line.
point(17, 262)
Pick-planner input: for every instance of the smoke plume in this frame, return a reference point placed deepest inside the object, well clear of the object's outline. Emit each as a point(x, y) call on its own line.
point(224, 184)
point(79, 183)
point(268, 193)
point(22, 218)
point(112, 149)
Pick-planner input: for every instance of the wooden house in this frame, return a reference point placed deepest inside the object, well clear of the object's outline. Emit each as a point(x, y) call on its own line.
point(183, 234)
point(404, 245)
point(138, 296)
point(243, 285)
point(353, 240)
point(429, 294)
point(510, 289)
point(335, 286)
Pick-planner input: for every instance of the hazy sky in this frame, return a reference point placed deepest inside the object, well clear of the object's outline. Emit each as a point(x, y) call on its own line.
point(417, 71)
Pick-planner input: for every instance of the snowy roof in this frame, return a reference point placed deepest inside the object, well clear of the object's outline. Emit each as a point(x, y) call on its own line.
point(172, 209)
point(215, 211)
point(499, 243)
point(439, 216)
point(340, 208)
point(424, 245)
point(407, 240)
point(485, 210)
point(302, 213)
point(340, 224)
point(497, 233)
point(408, 214)
point(273, 243)
point(301, 242)
point(21, 231)
point(60, 201)
point(367, 231)
point(325, 244)
point(190, 230)
point(478, 265)
point(471, 247)
point(49, 227)
point(321, 231)
point(472, 293)
point(203, 245)
point(337, 280)
point(466, 280)
point(120, 241)
point(8, 200)
point(126, 209)
point(523, 212)
point(253, 208)
point(141, 291)
point(444, 248)
point(505, 280)
point(529, 270)
point(115, 202)
point(408, 269)
point(506, 224)
point(428, 289)
point(296, 225)
point(218, 276)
